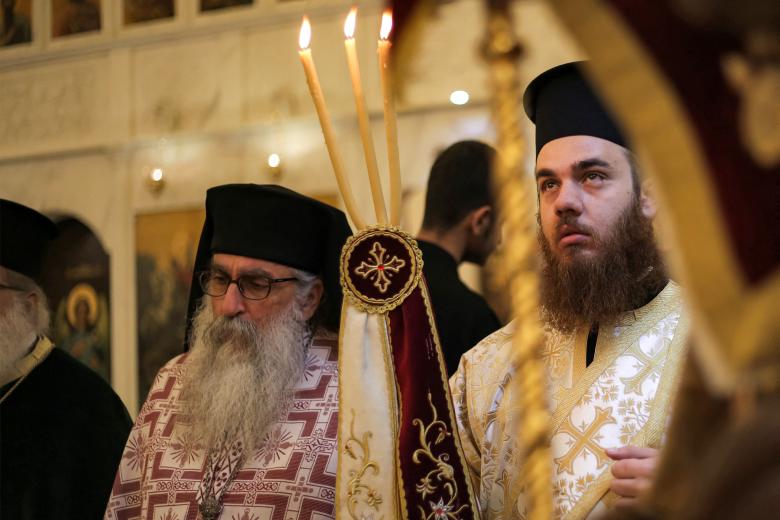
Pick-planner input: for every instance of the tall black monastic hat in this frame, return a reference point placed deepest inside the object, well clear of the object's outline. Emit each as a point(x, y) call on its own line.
point(562, 103)
point(24, 237)
point(276, 224)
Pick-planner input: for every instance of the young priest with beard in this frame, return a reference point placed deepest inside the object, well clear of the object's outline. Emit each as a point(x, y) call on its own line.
point(614, 323)
point(244, 424)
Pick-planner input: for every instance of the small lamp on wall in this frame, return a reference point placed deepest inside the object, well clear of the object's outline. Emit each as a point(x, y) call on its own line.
point(274, 167)
point(155, 181)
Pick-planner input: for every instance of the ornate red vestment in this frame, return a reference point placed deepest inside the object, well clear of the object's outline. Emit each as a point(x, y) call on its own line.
point(292, 474)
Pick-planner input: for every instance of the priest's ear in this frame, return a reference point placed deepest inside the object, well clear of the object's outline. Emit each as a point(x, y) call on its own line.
point(311, 300)
point(647, 199)
point(31, 299)
point(644, 186)
point(480, 220)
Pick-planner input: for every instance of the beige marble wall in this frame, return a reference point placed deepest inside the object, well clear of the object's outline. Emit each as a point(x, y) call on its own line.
point(207, 98)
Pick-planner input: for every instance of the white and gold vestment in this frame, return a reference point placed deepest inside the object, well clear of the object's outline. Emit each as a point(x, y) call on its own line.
point(621, 398)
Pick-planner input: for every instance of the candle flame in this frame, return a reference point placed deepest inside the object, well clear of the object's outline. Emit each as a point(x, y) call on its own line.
point(304, 38)
point(387, 24)
point(349, 23)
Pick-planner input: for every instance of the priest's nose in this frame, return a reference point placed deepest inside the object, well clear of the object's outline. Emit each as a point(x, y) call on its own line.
point(569, 199)
point(233, 302)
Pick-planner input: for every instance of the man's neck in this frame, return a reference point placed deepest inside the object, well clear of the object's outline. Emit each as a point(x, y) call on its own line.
point(24, 363)
point(451, 241)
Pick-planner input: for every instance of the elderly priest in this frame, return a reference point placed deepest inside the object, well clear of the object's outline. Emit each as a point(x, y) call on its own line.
point(244, 424)
point(62, 427)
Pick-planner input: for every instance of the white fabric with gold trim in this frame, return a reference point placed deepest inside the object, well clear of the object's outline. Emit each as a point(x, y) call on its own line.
point(622, 398)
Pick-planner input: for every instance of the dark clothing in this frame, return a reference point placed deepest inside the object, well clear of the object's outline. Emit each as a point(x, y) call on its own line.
point(463, 317)
point(63, 431)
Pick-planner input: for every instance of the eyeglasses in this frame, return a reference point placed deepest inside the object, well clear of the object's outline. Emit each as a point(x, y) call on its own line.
point(251, 287)
point(11, 288)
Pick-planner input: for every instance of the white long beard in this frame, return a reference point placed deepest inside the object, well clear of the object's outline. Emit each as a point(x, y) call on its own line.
point(17, 333)
point(241, 376)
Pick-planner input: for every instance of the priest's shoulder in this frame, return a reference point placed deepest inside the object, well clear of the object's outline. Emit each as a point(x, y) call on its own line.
point(175, 366)
point(491, 350)
point(61, 377)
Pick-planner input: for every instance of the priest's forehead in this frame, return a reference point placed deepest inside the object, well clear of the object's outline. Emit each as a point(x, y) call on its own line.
point(574, 152)
point(236, 265)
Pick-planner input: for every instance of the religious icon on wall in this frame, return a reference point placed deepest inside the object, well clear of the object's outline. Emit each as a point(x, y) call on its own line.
point(81, 326)
point(74, 17)
point(165, 252)
point(136, 11)
point(213, 5)
point(75, 277)
point(15, 22)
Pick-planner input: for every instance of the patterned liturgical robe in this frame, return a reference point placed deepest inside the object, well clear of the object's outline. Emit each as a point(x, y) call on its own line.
point(621, 398)
point(290, 476)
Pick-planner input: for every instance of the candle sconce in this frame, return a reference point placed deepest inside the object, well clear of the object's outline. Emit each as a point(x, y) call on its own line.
point(155, 181)
point(274, 167)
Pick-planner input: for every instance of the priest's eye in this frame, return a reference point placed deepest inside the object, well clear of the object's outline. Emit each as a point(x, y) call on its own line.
point(218, 280)
point(547, 185)
point(255, 283)
point(254, 287)
point(594, 177)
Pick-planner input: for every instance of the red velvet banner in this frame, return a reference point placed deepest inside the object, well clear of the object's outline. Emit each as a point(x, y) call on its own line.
point(434, 478)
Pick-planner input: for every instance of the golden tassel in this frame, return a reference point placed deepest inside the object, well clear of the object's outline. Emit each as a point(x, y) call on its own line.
point(529, 419)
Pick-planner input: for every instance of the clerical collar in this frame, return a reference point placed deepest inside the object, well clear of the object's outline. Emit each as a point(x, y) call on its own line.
point(26, 364)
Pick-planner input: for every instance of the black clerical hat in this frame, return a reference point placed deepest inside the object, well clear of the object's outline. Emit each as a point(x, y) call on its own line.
point(24, 236)
point(561, 103)
point(273, 223)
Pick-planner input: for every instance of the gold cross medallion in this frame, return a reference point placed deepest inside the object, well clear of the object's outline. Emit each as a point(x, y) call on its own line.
point(380, 267)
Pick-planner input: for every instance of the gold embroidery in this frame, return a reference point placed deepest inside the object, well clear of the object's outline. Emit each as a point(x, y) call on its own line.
point(443, 476)
point(470, 495)
point(642, 320)
point(485, 397)
point(648, 366)
point(357, 491)
point(387, 303)
point(379, 269)
point(660, 410)
point(585, 439)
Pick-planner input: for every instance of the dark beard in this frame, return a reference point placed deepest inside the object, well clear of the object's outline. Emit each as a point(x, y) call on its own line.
point(625, 274)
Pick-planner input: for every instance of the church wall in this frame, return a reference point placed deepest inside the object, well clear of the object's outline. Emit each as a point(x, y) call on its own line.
point(83, 122)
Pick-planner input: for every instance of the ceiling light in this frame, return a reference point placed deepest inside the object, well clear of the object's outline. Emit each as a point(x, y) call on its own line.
point(459, 97)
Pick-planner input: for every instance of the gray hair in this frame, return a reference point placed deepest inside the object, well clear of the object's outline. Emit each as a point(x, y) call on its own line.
point(305, 284)
point(40, 313)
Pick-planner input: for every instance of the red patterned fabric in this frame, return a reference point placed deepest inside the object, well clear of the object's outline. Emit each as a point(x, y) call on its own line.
point(291, 475)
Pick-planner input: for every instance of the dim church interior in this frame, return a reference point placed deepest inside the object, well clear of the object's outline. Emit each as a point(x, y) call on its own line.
point(204, 98)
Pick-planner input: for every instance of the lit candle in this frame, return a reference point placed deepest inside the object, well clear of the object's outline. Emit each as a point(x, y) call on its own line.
point(363, 121)
point(304, 40)
point(391, 129)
